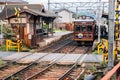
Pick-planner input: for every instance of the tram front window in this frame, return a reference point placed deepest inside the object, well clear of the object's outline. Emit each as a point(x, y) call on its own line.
point(77, 28)
point(89, 28)
point(84, 28)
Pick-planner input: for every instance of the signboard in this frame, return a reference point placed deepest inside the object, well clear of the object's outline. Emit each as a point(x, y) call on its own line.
point(18, 20)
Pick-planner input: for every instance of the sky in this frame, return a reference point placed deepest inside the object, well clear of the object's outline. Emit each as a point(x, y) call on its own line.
point(45, 1)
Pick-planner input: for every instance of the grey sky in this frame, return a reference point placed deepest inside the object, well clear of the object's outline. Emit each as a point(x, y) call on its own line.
point(45, 1)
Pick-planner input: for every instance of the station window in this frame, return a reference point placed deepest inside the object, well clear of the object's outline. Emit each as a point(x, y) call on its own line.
point(78, 28)
point(84, 29)
point(89, 28)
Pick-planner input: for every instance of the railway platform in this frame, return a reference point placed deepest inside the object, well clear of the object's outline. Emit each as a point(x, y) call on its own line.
point(53, 38)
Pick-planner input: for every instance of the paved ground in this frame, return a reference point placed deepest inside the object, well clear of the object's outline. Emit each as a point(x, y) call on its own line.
point(16, 56)
point(25, 57)
point(5, 54)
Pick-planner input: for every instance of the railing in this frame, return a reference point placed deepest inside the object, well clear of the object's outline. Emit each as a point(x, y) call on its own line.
point(11, 44)
point(115, 71)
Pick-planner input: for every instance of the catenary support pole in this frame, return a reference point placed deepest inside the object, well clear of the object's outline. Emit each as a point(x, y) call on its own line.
point(98, 20)
point(48, 4)
point(111, 33)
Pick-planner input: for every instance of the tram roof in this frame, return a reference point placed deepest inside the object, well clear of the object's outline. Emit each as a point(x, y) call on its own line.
point(83, 20)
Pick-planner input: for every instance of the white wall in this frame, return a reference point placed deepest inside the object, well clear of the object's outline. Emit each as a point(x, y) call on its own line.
point(66, 16)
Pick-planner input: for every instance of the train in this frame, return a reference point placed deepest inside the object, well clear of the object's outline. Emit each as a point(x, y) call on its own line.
point(85, 30)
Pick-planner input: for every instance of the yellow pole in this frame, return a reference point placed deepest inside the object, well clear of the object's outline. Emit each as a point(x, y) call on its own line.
point(7, 45)
point(103, 58)
point(18, 46)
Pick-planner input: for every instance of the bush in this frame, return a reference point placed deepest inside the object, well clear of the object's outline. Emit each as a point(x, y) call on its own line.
point(7, 32)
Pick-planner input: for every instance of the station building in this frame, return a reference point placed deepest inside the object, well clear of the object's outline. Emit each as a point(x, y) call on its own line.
point(27, 20)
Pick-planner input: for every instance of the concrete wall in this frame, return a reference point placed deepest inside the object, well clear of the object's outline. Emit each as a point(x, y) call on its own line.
point(66, 16)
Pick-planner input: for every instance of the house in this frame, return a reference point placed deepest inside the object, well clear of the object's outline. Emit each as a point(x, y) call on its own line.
point(65, 19)
point(28, 23)
point(6, 2)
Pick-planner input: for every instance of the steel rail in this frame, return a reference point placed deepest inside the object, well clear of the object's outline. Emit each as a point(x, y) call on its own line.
point(71, 69)
point(78, 77)
point(56, 50)
point(23, 69)
point(54, 44)
point(45, 69)
point(63, 76)
point(59, 46)
point(8, 63)
point(68, 48)
point(73, 49)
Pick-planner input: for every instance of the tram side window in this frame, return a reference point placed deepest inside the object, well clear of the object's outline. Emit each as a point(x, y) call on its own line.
point(84, 29)
point(77, 28)
point(89, 28)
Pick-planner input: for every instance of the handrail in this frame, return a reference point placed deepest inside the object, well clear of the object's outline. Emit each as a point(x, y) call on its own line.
point(111, 73)
point(11, 44)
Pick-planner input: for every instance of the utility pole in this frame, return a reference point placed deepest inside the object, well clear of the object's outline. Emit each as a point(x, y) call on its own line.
point(99, 14)
point(111, 33)
point(48, 4)
point(76, 12)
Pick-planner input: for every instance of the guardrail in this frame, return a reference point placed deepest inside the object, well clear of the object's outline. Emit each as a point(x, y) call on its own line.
point(115, 71)
point(11, 44)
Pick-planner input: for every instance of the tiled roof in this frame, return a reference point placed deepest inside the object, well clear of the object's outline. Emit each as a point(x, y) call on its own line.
point(21, 1)
point(59, 10)
point(35, 9)
point(9, 9)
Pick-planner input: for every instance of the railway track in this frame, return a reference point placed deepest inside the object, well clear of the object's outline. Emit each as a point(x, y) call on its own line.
point(67, 46)
point(11, 76)
point(44, 70)
point(9, 68)
point(26, 71)
point(60, 72)
point(75, 72)
point(57, 46)
point(82, 50)
point(54, 72)
point(30, 70)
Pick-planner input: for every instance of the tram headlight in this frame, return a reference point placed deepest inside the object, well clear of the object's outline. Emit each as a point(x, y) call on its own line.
point(80, 35)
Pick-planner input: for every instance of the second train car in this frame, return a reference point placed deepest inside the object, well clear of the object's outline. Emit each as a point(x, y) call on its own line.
point(85, 30)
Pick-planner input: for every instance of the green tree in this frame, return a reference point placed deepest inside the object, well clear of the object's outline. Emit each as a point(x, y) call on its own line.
point(7, 32)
